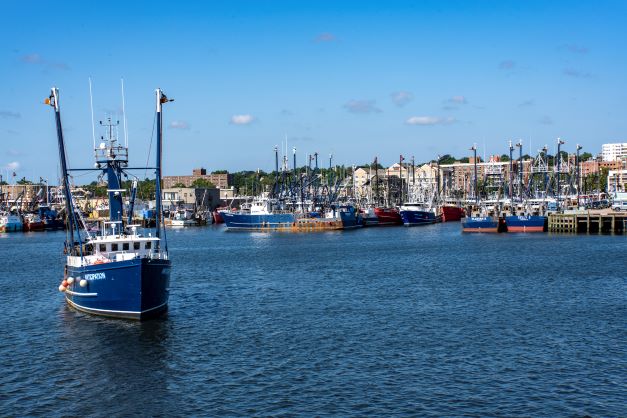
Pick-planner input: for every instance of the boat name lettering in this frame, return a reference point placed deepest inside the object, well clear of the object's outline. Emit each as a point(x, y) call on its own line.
point(95, 276)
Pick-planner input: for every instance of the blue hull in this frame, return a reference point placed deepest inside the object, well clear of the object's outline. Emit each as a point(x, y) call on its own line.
point(531, 223)
point(245, 221)
point(480, 224)
point(13, 227)
point(419, 217)
point(350, 220)
point(133, 289)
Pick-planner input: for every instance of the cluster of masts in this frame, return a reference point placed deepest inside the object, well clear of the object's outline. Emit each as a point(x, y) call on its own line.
point(525, 179)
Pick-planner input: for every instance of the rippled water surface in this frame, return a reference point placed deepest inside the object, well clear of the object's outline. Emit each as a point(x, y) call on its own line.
point(379, 322)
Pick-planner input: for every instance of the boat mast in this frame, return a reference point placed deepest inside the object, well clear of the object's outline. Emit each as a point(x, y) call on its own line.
point(559, 160)
point(578, 173)
point(53, 101)
point(376, 182)
point(161, 99)
point(400, 176)
point(520, 170)
point(474, 150)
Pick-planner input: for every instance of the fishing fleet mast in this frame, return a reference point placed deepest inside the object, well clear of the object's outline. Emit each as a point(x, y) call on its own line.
point(117, 271)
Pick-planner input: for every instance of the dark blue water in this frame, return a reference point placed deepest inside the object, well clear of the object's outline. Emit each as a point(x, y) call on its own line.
point(376, 322)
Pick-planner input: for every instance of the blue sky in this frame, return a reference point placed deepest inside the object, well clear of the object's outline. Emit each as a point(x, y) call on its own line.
point(358, 79)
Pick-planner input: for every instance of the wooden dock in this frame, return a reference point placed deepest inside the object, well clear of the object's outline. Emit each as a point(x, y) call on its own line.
point(588, 222)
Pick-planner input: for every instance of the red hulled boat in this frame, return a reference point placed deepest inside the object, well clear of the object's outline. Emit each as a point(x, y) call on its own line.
point(33, 222)
point(452, 213)
point(388, 216)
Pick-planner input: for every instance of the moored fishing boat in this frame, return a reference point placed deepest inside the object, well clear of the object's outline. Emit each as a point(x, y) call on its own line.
point(261, 217)
point(452, 213)
point(351, 218)
point(388, 216)
point(32, 222)
point(525, 223)
point(480, 224)
point(369, 217)
point(415, 214)
point(119, 272)
point(11, 222)
point(183, 217)
point(50, 217)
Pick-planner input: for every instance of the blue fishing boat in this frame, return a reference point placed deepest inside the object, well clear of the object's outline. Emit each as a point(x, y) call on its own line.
point(480, 224)
point(11, 222)
point(415, 214)
point(259, 216)
point(118, 271)
point(525, 223)
point(351, 218)
point(51, 218)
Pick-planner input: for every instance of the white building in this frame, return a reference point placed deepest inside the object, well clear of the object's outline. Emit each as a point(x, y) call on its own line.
point(613, 152)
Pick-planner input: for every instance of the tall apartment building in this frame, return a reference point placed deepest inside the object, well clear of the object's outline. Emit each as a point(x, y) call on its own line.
point(613, 152)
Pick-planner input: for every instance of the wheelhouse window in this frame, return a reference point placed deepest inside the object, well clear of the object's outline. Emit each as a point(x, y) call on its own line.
point(148, 244)
point(125, 246)
point(102, 248)
point(136, 245)
point(114, 247)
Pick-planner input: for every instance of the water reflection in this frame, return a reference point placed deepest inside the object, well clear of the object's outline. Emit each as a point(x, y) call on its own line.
point(118, 357)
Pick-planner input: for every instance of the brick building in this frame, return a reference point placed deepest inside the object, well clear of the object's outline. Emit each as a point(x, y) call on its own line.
point(221, 181)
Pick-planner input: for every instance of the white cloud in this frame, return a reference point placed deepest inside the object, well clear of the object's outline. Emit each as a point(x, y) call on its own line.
point(12, 166)
point(362, 106)
point(401, 98)
point(179, 124)
point(429, 120)
point(242, 119)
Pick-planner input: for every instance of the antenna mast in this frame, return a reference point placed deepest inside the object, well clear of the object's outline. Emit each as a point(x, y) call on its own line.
point(124, 116)
point(91, 105)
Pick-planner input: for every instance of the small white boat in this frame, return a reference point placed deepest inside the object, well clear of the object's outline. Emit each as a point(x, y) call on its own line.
point(183, 217)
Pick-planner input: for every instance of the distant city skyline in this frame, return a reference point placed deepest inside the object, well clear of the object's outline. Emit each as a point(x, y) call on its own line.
point(356, 79)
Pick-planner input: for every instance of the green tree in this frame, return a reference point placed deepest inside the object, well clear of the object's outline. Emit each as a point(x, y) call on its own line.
point(179, 185)
point(464, 160)
point(504, 157)
point(585, 156)
point(220, 172)
point(203, 184)
point(447, 159)
point(24, 181)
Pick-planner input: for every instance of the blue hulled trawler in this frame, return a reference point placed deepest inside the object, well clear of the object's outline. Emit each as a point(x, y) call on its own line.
point(118, 271)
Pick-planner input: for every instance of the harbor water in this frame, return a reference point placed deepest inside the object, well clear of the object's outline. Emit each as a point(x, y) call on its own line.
point(373, 322)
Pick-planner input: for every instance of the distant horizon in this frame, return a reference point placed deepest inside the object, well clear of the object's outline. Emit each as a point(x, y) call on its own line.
point(356, 79)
